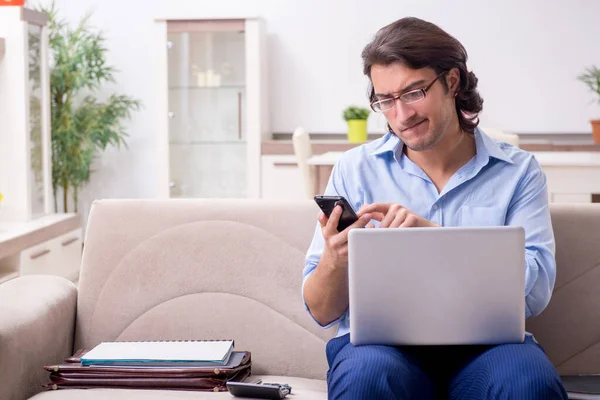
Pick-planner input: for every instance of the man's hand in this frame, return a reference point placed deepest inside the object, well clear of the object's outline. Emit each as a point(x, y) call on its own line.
point(392, 215)
point(335, 253)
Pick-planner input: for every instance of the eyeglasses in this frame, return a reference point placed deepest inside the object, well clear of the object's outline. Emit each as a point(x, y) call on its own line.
point(407, 98)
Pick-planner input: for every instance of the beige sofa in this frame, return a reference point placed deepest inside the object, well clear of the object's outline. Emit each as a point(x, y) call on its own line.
point(189, 269)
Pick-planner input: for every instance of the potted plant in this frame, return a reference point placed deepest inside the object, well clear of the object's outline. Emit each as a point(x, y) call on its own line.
point(357, 123)
point(591, 77)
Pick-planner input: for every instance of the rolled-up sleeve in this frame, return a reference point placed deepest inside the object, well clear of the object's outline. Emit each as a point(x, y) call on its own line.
point(530, 209)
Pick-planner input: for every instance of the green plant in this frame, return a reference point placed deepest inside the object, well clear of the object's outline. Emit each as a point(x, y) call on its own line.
point(354, 112)
point(81, 124)
point(591, 78)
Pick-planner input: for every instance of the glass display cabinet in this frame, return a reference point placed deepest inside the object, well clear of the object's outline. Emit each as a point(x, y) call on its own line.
point(214, 118)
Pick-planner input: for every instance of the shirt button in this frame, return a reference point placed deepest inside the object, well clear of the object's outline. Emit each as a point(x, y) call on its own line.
point(435, 207)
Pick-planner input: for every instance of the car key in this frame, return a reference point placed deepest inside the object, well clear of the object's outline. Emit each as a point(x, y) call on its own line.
point(273, 391)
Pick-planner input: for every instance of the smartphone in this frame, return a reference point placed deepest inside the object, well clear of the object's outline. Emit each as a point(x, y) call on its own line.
point(328, 203)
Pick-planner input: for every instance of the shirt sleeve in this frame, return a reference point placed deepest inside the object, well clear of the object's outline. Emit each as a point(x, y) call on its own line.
point(530, 209)
point(335, 187)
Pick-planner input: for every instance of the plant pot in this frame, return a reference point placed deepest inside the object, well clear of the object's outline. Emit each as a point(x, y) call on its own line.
point(596, 130)
point(357, 130)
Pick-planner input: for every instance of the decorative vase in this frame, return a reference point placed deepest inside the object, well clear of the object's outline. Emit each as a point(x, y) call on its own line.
point(357, 130)
point(596, 130)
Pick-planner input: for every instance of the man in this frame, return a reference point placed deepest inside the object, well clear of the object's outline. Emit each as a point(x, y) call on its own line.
point(434, 168)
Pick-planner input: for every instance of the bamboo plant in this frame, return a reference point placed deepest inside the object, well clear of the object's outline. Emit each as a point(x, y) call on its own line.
point(82, 125)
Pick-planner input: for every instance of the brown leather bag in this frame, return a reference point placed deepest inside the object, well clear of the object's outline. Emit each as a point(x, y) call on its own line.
point(75, 376)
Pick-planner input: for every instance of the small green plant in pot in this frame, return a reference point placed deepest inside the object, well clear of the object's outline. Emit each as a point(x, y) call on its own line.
point(591, 77)
point(357, 123)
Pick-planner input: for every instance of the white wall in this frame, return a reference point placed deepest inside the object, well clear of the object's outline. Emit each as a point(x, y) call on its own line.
point(526, 54)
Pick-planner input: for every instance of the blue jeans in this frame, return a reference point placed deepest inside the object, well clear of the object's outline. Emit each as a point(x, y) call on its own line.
point(510, 371)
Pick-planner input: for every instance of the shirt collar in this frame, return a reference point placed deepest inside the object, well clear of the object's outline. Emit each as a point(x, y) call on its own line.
point(391, 143)
point(485, 146)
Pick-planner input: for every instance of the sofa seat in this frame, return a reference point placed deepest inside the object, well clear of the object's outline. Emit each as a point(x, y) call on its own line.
point(302, 389)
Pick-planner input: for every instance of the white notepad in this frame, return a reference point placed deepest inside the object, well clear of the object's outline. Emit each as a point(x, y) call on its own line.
point(182, 353)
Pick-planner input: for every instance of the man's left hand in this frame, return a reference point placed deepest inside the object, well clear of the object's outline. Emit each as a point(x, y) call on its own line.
point(392, 215)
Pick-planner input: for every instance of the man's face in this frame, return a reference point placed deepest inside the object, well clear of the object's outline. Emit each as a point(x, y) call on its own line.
point(422, 124)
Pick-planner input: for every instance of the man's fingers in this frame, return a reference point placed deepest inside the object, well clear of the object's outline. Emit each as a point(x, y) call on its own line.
point(370, 225)
point(360, 223)
point(322, 219)
point(334, 218)
point(375, 207)
point(360, 210)
point(389, 218)
point(399, 219)
point(377, 216)
point(411, 221)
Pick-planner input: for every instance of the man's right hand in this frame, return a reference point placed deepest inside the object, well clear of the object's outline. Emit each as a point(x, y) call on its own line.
point(335, 253)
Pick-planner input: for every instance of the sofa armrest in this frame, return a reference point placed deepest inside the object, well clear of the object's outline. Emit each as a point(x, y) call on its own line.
point(37, 320)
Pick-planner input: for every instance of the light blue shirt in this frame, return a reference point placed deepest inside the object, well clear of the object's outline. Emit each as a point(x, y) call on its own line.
point(501, 185)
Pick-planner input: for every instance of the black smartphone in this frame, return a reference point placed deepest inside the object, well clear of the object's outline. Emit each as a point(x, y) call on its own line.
point(328, 203)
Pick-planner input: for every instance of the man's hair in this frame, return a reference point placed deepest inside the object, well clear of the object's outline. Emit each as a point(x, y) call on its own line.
point(418, 44)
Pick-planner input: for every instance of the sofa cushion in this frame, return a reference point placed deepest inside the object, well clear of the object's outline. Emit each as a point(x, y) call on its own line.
point(184, 269)
point(302, 389)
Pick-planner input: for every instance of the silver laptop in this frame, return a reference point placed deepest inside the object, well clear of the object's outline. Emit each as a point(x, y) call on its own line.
point(437, 286)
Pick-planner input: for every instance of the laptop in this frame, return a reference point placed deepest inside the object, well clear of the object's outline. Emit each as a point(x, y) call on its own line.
point(437, 286)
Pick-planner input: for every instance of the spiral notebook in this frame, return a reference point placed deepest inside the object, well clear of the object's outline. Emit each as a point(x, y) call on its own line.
point(192, 353)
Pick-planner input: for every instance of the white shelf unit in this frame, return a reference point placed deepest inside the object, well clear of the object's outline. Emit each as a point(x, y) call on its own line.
point(50, 245)
point(33, 240)
point(25, 158)
point(211, 79)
